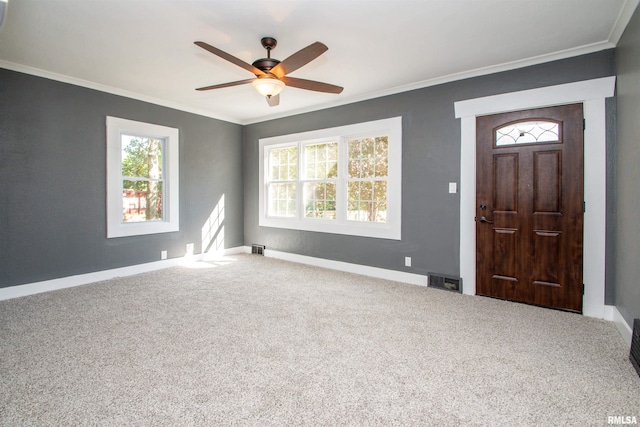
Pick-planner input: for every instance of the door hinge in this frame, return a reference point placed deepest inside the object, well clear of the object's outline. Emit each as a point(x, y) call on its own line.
point(584, 124)
point(584, 207)
point(583, 289)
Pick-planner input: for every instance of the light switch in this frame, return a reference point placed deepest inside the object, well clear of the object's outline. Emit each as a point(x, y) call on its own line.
point(453, 187)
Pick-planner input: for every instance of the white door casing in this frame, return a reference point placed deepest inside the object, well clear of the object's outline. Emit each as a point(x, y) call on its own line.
point(592, 94)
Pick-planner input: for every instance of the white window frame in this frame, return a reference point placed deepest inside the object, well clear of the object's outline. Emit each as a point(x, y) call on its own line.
point(116, 127)
point(391, 229)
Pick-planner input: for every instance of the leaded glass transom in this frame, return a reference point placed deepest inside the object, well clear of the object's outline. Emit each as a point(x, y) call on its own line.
point(531, 132)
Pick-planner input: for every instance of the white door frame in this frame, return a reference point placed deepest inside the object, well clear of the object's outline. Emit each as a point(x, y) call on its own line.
point(592, 94)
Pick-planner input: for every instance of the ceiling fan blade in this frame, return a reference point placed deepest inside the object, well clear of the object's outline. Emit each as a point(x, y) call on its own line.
point(298, 59)
point(224, 55)
point(237, 83)
point(273, 101)
point(311, 85)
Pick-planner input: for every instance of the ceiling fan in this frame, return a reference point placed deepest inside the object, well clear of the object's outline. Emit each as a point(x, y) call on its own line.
point(271, 74)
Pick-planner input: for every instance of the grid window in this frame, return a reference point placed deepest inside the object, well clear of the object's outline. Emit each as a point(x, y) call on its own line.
point(142, 178)
point(283, 176)
point(342, 180)
point(367, 184)
point(320, 172)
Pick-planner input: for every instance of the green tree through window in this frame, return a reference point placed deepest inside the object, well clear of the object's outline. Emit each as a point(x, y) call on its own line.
point(142, 178)
point(367, 182)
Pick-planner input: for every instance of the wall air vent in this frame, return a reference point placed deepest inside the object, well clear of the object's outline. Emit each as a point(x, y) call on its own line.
point(634, 352)
point(258, 249)
point(441, 281)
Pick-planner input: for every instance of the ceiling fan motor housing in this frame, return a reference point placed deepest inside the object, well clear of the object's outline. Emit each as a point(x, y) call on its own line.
point(265, 64)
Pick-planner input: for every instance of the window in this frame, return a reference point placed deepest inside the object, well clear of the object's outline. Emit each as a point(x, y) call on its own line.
point(320, 180)
point(532, 132)
point(367, 181)
point(283, 177)
point(142, 178)
point(344, 180)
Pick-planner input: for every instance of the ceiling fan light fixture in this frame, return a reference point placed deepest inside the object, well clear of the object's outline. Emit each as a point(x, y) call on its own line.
point(268, 86)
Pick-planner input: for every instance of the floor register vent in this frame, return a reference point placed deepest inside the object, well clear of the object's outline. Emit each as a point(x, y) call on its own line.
point(634, 353)
point(441, 281)
point(258, 249)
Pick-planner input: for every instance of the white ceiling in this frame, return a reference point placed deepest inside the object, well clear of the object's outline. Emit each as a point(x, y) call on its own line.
point(144, 49)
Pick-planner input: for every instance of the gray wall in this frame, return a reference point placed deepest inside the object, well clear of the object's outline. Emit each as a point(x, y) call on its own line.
point(431, 159)
point(627, 265)
point(53, 184)
point(52, 175)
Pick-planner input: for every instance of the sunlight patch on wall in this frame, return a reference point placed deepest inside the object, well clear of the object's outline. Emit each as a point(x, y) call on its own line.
point(213, 232)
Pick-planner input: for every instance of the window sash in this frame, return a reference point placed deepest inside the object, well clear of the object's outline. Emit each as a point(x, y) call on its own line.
point(283, 167)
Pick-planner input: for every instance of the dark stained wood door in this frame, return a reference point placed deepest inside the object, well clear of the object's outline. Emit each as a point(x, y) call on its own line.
point(529, 206)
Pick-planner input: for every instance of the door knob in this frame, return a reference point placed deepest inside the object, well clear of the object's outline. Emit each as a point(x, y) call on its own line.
point(485, 220)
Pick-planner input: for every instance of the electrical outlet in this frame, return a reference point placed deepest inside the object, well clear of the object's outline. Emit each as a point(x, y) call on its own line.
point(163, 255)
point(189, 248)
point(453, 187)
point(407, 261)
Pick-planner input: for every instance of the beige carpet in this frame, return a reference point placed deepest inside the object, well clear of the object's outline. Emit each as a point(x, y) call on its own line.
point(257, 341)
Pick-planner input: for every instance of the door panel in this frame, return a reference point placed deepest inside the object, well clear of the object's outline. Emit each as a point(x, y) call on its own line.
point(529, 215)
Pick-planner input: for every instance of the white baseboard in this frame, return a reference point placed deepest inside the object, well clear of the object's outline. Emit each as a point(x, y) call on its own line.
point(97, 276)
point(611, 313)
point(622, 326)
point(381, 273)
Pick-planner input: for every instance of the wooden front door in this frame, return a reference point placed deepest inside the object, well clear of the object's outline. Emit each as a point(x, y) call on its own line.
point(529, 206)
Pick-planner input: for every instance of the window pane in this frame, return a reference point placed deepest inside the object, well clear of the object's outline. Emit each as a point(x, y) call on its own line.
point(354, 168)
point(310, 170)
point(379, 202)
point(366, 190)
point(319, 200)
point(380, 191)
point(141, 157)
point(141, 201)
point(352, 212)
point(368, 157)
point(310, 153)
point(283, 164)
point(321, 160)
point(274, 158)
point(367, 200)
point(354, 149)
point(353, 189)
point(368, 166)
point(367, 147)
point(528, 133)
point(293, 163)
point(282, 208)
point(284, 173)
point(282, 199)
point(366, 211)
point(332, 162)
point(382, 157)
